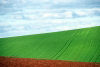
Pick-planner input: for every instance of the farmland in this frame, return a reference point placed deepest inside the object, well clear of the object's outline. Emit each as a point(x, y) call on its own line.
point(30, 62)
point(82, 45)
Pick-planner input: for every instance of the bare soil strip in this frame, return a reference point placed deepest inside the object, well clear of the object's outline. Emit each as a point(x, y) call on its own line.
point(28, 62)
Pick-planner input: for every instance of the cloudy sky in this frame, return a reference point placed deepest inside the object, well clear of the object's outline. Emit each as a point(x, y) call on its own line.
point(24, 17)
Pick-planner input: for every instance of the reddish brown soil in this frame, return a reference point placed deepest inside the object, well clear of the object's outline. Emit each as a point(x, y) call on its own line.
point(25, 62)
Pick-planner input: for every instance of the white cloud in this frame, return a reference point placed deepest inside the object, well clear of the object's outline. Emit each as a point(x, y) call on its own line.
point(81, 13)
point(42, 21)
point(68, 14)
point(4, 1)
point(51, 15)
point(63, 28)
point(63, 1)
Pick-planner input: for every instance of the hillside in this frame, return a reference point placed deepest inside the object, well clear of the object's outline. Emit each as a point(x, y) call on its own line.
point(76, 45)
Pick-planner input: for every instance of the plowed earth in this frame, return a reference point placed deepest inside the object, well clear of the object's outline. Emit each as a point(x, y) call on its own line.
point(28, 62)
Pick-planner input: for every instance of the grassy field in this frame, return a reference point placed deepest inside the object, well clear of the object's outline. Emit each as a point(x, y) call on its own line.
point(76, 45)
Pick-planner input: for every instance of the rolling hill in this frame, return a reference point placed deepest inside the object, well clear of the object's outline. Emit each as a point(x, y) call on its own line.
point(75, 45)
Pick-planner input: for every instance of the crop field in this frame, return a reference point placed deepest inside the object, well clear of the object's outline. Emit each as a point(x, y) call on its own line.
point(81, 45)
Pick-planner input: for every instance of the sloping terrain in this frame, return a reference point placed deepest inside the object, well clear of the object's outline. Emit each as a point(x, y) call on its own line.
point(25, 62)
point(81, 45)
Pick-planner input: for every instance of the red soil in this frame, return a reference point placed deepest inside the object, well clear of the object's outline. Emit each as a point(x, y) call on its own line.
point(26, 62)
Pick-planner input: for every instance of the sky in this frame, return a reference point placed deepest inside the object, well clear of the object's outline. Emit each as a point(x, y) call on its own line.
point(25, 17)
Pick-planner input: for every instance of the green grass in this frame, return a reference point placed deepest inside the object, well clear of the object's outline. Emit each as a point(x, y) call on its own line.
point(76, 45)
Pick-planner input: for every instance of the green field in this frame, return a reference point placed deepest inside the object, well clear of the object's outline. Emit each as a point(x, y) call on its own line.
point(76, 45)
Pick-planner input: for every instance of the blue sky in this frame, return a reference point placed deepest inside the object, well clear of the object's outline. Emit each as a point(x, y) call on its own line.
point(24, 17)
